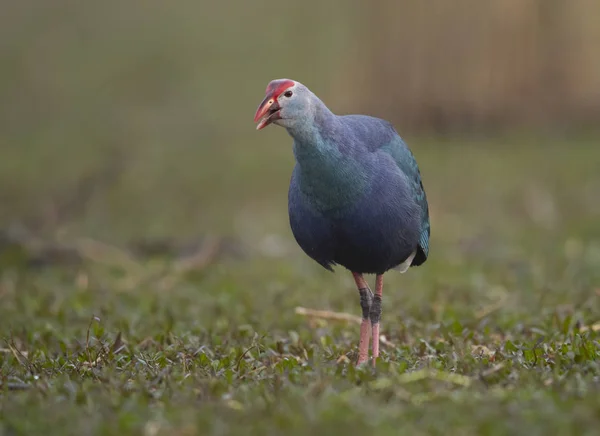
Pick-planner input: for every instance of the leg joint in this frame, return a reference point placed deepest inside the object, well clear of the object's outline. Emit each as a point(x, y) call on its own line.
point(366, 299)
point(375, 311)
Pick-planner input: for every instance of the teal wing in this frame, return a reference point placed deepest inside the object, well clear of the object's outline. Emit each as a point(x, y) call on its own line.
point(408, 165)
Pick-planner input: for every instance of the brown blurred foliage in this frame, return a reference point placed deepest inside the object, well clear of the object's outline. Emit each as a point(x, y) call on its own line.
point(467, 64)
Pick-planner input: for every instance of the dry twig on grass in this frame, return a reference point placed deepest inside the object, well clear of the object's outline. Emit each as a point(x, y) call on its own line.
point(594, 327)
point(327, 314)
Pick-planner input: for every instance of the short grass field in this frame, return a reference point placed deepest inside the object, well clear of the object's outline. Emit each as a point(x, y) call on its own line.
point(113, 328)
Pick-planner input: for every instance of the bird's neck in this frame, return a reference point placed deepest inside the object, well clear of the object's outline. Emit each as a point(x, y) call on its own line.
point(308, 128)
point(328, 173)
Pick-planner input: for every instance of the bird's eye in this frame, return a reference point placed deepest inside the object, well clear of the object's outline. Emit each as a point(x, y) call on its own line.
point(288, 94)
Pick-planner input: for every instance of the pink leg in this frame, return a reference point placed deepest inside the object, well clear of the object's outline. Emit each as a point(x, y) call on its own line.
point(375, 315)
point(363, 344)
point(366, 296)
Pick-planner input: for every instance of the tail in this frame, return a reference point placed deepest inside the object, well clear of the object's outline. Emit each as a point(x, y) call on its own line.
point(423, 247)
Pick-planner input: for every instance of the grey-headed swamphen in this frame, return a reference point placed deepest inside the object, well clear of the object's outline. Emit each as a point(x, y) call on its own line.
point(355, 199)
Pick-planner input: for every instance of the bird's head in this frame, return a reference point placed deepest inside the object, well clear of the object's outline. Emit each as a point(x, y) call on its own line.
point(286, 103)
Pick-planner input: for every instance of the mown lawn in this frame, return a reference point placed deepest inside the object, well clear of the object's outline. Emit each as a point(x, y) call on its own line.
point(498, 333)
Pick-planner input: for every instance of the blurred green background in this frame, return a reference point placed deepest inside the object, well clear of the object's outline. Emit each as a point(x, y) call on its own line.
point(133, 119)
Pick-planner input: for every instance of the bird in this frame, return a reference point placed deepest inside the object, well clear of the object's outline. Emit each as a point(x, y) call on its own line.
point(355, 199)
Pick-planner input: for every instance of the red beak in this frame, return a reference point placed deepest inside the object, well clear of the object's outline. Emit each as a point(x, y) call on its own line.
point(267, 112)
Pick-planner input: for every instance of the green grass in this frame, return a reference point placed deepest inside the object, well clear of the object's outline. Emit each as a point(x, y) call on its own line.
point(493, 335)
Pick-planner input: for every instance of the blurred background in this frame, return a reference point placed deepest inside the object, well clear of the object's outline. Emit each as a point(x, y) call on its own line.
point(127, 120)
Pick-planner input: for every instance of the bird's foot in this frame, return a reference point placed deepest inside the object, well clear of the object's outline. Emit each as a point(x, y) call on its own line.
point(363, 363)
